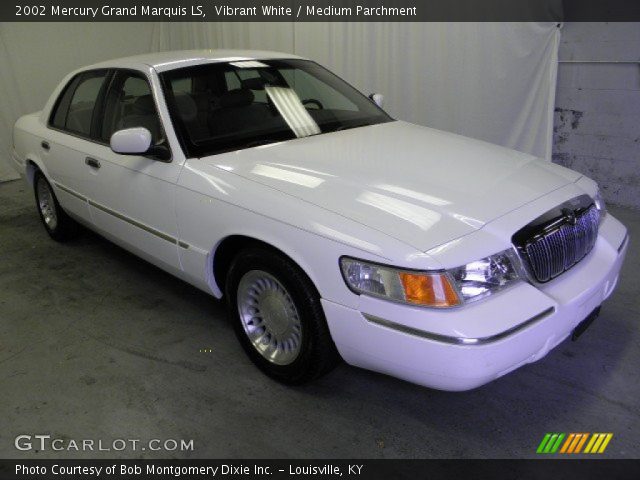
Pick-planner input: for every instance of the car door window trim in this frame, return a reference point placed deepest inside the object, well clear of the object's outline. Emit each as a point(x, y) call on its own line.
point(114, 81)
point(71, 87)
point(98, 110)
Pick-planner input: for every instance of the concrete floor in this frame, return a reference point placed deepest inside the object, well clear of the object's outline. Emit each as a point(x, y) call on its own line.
point(95, 343)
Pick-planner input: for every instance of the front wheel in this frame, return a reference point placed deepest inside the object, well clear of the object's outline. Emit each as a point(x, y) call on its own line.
point(58, 224)
point(278, 318)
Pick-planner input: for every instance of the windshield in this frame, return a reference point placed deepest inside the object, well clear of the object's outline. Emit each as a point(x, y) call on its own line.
point(234, 105)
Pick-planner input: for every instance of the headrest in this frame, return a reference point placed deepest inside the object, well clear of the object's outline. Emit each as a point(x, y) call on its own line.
point(241, 97)
point(186, 107)
point(254, 83)
point(144, 105)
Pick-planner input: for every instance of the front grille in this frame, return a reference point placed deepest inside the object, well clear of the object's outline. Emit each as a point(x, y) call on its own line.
point(551, 246)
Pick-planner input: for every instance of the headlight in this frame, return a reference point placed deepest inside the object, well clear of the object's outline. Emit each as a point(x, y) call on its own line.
point(478, 279)
point(439, 289)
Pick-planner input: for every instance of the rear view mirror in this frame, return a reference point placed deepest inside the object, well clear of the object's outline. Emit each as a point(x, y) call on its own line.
point(377, 98)
point(131, 141)
point(137, 141)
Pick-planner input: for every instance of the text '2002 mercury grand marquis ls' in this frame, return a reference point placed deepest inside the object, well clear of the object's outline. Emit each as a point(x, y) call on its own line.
point(332, 230)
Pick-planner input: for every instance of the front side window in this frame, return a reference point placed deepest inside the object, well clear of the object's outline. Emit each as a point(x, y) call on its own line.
point(229, 106)
point(130, 104)
point(74, 110)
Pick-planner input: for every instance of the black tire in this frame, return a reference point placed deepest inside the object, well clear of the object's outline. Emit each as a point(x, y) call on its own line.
point(65, 228)
point(317, 354)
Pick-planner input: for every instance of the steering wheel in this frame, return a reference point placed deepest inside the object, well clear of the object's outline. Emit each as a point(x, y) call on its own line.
point(313, 101)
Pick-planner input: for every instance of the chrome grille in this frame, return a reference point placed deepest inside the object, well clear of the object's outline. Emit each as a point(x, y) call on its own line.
point(557, 249)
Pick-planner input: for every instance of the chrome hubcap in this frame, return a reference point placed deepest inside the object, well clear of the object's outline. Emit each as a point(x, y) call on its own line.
point(269, 317)
point(47, 205)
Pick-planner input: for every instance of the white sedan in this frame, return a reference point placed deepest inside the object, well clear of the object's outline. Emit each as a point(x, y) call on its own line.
point(332, 230)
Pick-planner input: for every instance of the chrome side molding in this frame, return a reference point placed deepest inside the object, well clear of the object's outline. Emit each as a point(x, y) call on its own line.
point(457, 340)
point(624, 242)
point(124, 218)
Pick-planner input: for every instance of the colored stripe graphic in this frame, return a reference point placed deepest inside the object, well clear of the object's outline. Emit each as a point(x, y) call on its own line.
point(581, 442)
point(598, 442)
point(543, 443)
point(572, 443)
point(565, 447)
point(550, 443)
point(577, 441)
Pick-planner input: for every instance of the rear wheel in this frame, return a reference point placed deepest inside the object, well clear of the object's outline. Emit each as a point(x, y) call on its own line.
point(56, 222)
point(278, 317)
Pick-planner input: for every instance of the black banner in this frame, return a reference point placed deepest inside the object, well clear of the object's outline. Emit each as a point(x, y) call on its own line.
point(318, 10)
point(320, 469)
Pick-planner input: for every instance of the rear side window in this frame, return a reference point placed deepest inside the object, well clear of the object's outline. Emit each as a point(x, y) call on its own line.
point(75, 107)
point(61, 108)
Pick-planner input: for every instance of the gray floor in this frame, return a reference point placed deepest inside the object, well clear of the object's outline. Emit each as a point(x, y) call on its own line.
point(97, 344)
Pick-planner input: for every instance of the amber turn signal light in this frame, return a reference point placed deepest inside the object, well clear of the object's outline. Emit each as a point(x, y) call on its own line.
point(429, 290)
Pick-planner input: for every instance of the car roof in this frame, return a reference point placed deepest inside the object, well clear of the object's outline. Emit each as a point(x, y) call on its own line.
point(163, 61)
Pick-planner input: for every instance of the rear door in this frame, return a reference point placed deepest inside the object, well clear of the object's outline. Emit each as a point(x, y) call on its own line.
point(132, 196)
point(71, 137)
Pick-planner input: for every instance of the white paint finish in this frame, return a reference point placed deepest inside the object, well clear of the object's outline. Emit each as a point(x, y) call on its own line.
point(305, 197)
point(353, 173)
point(496, 235)
point(140, 188)
point(131, 140)
point(448, 367)
point(314, 239)
point(477, 320)
point(61, 162)
point(163, 61)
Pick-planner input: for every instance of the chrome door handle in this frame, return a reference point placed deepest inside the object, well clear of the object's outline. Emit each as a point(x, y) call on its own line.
point(92, 162)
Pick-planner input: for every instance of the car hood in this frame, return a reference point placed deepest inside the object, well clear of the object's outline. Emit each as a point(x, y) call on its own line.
point(421, 186)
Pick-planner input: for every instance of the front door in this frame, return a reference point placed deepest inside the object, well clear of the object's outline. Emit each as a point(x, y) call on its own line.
point(132, 197)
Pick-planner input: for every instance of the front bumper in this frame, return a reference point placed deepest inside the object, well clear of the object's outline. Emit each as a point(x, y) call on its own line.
point(513, 328)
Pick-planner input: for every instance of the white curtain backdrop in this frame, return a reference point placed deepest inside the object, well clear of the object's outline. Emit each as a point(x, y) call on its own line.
point(34, 57)
point(492, 81)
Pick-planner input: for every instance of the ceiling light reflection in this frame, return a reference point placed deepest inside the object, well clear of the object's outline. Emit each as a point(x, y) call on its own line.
point(302, 179)
point(419, 216)
point(423, 197)
point(292, 110)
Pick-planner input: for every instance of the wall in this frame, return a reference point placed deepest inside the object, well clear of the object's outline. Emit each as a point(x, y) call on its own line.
point(34, 57)
point(597, 115)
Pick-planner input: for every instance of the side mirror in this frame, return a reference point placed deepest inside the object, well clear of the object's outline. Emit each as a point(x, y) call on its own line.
point(137, 141)
point(377, 98)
